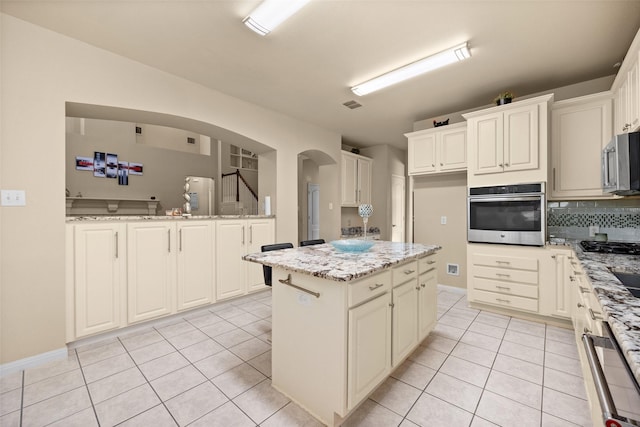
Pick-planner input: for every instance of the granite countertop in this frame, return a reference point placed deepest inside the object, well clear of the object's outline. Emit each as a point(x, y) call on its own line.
point(158, 217)
point(326, 262)
point(621, 309)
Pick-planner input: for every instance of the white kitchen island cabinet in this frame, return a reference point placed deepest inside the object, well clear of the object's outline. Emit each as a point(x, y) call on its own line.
point(333, 334)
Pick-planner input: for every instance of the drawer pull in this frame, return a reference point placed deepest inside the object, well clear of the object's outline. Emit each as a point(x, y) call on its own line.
point(503, 262)
point(376, 286)
point(580, 305)
point(409, 271)
point(572, 278)
point(423, 285)
point(503, 287)
point(503, 300)
point(584, 290)
point(587, 330)
point(287, 282)
point(503, 275)
point(417, 288)
point(595, 315)
point(431, 262)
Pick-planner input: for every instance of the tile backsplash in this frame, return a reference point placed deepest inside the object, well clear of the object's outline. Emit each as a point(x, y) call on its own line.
point(619, 219)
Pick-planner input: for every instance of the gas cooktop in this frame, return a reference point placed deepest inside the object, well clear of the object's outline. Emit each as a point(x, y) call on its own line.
point(625, 248)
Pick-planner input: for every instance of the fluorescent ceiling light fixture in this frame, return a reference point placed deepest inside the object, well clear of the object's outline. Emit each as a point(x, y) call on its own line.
point(272, 13)
point(449, 56)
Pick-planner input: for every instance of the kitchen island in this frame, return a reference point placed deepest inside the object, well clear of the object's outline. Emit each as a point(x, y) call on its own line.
point(342, 322)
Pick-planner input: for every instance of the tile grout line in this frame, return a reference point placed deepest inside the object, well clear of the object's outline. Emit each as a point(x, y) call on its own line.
point(84, 379)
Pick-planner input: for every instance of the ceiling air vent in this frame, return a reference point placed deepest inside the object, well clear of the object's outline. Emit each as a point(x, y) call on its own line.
point(352, 104)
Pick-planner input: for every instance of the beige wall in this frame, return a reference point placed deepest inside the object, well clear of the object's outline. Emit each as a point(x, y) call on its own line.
point(164, 169)
point(41, 71)
point(434, 197)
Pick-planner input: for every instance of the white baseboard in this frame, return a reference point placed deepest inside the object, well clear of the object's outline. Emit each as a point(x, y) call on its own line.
point(33, 361)
point(452, 289)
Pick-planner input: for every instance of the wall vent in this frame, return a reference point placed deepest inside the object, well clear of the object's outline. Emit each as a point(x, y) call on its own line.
point(138, 130)
point(352, 104)
point(191, 140)
point(453, 269)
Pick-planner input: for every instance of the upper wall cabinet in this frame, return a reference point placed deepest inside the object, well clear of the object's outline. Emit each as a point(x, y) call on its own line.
point(438, 150)
point(627, 96)
point(356, 179)
point(581, 127)
point(508, 143)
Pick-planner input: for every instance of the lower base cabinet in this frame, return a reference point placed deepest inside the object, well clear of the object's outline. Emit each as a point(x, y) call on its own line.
point(331, 352)
point(124, 272)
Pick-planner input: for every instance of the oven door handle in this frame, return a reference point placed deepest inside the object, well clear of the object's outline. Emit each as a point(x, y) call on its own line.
point(506, 199)
point(599, 381)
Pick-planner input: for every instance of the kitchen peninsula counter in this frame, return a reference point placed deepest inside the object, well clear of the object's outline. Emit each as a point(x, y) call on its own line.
point(342, 322)
point(88, 218)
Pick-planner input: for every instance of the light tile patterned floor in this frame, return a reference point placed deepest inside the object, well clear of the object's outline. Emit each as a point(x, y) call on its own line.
point(213, 368)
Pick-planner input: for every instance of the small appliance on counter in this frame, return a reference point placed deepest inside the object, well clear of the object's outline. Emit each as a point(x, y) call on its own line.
point(621, 165)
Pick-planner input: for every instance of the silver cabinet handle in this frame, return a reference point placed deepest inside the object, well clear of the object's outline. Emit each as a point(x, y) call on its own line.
point(595, 315)
point(180, 241)
point(431, 262)
point(503, 300)
point(250, 234)
point(169, 241)
point(116, 236)
point(417, 288)
point(376, 286)
point(503, 275)
point(580, 305)
point(243, 234)
point(423, 285)
point(584, 290)
point(502, 262)
point(572, 278)
point(409, 271)
point(554, 179)
point(503, 287)
point(287, 282)
point(506, 165)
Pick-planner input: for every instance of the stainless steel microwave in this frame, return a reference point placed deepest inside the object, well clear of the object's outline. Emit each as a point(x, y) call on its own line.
point(621, 165)
point(507, 214)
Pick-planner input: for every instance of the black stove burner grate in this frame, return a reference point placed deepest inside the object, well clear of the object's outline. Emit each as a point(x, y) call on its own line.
point(625, 248)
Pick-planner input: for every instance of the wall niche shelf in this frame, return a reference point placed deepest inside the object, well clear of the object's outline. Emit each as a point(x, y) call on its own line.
point(105, 206)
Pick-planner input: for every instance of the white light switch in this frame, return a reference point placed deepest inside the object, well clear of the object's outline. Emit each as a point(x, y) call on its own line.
point(13, 198)
point(443, 220)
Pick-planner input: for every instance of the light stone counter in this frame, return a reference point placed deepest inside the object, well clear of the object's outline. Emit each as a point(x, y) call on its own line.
point(622, 310)
point(326, 262)
point(72, 219)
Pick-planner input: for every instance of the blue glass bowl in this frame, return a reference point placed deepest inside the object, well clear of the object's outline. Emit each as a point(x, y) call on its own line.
point(353, 245)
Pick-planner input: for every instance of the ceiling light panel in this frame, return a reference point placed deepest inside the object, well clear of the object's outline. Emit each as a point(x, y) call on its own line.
point(272, 13)
point(430, 63)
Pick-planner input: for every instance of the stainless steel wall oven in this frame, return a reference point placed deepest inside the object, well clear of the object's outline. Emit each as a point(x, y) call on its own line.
point(508, 214)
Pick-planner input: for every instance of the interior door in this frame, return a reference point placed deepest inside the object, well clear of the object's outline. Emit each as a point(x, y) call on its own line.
point(397, 208)
point(313, 211)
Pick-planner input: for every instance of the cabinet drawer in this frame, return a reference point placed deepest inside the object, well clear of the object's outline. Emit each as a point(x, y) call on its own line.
point(516, 289)
point(506, 274)
point(508, 301)
point(405, 272)
point(427, 263)
point(520, 263)
point(369, 287)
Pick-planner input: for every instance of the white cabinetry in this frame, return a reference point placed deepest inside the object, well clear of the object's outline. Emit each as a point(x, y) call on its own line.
point(438, 150)
point(99, 277)
point(405, 311)
point(581, 127)
point(627, 95)
point(196, 260)
point(508, 144)
point(236, 238)
point(151, 274)
point(427, 295)
point(557, 300)
point(356, 179)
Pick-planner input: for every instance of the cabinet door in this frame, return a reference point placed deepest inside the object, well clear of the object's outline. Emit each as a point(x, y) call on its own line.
point(364, 181)
point(349, 180)
point(195, 264)
point(151, 269)
point(579, 132)
point(260, 232)
point(405, 320)
point(99, 277)
point(486, 144)
point(521, 139)
point(422, 154)
point(453, 150)
point(369, 349)
point(633, 88)
point(427, 303)
point(231, 237)
point(622, 106)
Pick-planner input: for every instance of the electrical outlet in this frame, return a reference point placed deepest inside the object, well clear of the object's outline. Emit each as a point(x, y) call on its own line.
point(593, 229)
point(443, 220)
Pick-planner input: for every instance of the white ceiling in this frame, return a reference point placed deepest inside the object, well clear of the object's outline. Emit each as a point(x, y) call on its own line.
point(305, 67)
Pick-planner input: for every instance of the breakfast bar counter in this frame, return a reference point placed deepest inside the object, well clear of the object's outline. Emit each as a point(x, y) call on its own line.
point(342, 322)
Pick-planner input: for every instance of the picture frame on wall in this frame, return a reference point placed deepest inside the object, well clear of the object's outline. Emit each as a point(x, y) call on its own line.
point(135, 168)
point(123, 173)
point(112, 165)
point(99, 164)
point(84, 163)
